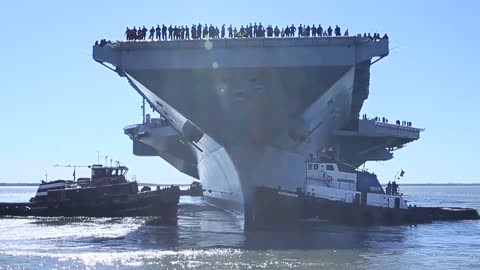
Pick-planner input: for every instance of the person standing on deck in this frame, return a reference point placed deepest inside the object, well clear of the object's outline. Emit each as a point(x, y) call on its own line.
point(152, 33)
point(158, 32)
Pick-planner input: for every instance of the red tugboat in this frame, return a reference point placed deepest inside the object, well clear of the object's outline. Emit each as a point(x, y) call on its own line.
point(106, 194)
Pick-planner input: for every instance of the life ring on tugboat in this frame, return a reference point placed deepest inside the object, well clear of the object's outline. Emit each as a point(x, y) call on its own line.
point(329, 178)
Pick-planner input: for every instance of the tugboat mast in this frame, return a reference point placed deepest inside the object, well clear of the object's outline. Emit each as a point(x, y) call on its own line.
point(74, 168)
point(143, 110)
point(46, 175)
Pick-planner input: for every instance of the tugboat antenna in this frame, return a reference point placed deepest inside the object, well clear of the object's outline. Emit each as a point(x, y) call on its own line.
point(46, 175)
point(143, 110)
point(74, 169)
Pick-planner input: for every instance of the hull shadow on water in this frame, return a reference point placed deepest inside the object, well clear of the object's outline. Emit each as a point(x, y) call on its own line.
point(204, 227)
point(200, 226)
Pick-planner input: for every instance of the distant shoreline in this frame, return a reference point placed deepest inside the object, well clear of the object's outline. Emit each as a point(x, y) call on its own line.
point(19, 184)
point(159, 184)
point(438, 184)
point(36, 184)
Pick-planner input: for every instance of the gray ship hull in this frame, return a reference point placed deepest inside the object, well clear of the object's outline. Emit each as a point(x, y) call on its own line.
point(230, 171)
point(247, 112)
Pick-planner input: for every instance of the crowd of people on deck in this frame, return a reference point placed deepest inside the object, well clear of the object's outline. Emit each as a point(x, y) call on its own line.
point(249, 31)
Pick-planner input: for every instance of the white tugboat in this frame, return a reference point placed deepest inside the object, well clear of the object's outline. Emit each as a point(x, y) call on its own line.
point(326, 181)
point(337, 193)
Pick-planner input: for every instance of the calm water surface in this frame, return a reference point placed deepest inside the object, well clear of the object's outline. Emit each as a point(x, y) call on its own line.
point(206, 238)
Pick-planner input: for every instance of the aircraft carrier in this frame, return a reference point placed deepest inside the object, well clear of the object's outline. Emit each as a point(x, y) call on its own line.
point(243, 113)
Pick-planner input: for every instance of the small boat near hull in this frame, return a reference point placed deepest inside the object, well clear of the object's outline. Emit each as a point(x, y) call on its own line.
point(160, 203)
point(275, 207)
point(106, 194)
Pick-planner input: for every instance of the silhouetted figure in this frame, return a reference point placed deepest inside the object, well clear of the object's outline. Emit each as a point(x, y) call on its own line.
point(199, 31)
point(269, 31)
point(133, 33)
point(152, 33)
point(338, 32)
point(394, 188)
point(282, 33)
point(223, 31)
point(385, 36)
point(314, 31)
point(158, 32)
point(170, 32)
point(276, 31)
point(287, 31)
point(260, 30)
point(300, 31)
point(127, 33)
point(194, 31)
point(164, 32)
point(144, 32)
point(389, 188)
point(292, 30)
point(211, 31)
point(346, 33)
point(307, 31)
point(175, 32)
point(329, 31)
point(205, 31)
point(319, 30)
point(187, 32)
point(230, 31)
point(235, 32)
point(255, 28)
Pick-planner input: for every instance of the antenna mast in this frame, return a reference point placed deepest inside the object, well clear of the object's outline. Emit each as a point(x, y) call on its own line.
point(143, 110)
point(74, 169)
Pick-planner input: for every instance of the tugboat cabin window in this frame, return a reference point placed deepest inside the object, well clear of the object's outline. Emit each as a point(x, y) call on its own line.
point(315, 166)
point(330, 167)
point(309, 166)
point(99, 173)
point(107, 172)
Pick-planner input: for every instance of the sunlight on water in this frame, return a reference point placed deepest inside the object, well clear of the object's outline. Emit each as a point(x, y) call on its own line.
point(206, 238)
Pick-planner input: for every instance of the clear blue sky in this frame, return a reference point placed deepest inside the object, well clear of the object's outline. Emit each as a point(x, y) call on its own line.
point(58, 106)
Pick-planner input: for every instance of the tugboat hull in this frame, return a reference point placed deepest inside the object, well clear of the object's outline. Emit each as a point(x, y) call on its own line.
point(275, 207)
point(160, 203)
